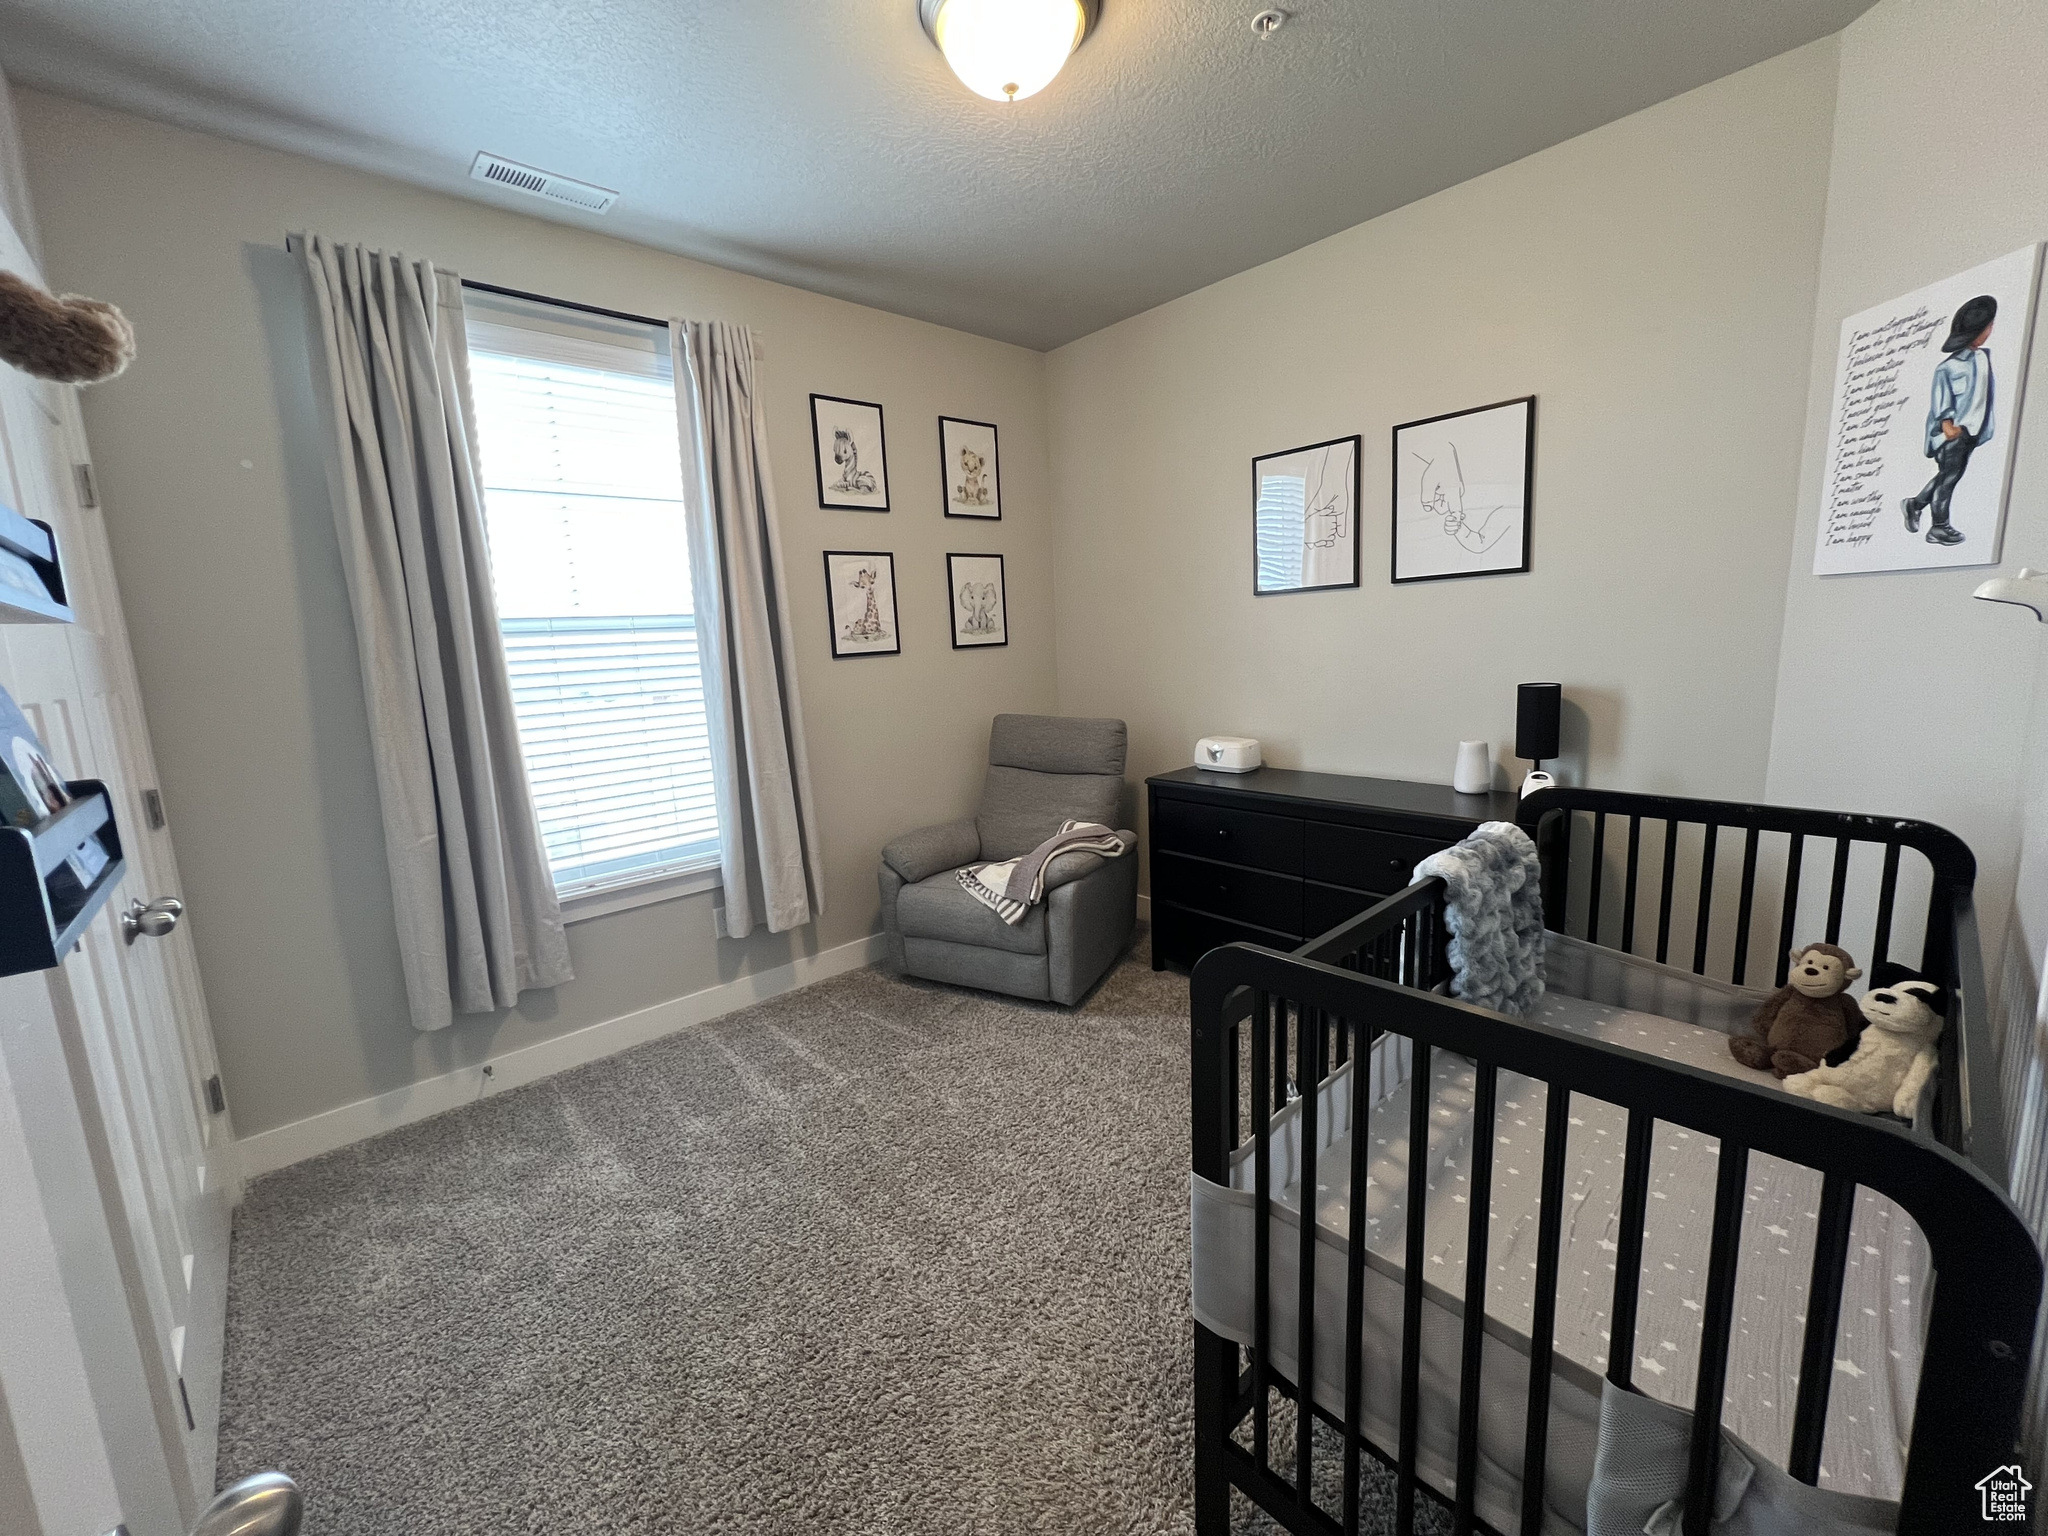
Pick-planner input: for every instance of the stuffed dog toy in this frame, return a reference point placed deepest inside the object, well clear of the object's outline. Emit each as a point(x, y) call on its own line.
point(1894, 1056)
point(70, 339)
point(1797, 1026)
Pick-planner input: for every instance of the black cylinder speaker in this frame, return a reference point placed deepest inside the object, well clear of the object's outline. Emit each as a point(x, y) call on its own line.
point(1537, 707)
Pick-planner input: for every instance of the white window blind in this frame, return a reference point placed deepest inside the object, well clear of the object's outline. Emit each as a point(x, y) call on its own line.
point(583, 503)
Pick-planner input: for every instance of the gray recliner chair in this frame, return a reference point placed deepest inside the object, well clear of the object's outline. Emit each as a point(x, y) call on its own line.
point(1042, 770)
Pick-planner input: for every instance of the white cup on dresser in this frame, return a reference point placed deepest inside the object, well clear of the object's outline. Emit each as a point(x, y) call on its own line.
point(1473, 774)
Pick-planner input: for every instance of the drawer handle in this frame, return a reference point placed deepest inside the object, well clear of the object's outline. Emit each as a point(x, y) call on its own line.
point(1223, 831)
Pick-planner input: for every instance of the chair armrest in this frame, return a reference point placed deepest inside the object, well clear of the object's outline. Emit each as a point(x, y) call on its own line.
point(921, 854)
point(1081, 862)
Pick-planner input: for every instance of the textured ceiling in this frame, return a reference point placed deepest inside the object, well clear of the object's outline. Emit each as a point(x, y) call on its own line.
point(824, 142)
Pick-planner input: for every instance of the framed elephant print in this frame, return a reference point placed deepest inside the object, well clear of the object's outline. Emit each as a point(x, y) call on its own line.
point(980, 613)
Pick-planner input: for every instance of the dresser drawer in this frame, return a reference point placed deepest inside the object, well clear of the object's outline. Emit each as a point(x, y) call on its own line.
point(1323, 907)
point(1181, 937)
point(1364, 860)
point(1236, 837)
point(1229, 890)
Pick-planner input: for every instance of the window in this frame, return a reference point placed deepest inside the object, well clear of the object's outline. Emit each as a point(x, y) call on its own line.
point(583, 507)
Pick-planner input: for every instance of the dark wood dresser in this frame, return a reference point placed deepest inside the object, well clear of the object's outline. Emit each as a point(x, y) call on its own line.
point(1277, 856)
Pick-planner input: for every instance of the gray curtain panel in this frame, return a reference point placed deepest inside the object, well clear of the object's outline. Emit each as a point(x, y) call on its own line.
point(770, 858)
point(478, 922)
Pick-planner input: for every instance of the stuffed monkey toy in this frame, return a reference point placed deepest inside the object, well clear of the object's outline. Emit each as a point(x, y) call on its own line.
point(1894, 1057)
point(70, 339)
point(1812, 1014)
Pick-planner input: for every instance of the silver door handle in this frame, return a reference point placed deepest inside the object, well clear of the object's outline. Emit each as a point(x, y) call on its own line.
point(267, 1504)
point(152, 921)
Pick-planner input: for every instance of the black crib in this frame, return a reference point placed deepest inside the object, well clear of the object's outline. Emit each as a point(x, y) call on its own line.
point(1716, 880)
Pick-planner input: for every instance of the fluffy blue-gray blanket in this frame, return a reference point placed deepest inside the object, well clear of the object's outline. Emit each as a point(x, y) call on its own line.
point(1494, 910)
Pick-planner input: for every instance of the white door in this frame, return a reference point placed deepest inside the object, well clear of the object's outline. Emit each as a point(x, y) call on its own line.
point(54, 1473)
point(109, 1056)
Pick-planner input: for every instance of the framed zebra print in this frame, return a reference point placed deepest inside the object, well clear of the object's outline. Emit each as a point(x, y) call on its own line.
point(852, 459)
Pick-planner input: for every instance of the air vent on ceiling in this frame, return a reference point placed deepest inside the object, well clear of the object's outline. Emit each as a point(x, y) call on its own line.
point(524, 178)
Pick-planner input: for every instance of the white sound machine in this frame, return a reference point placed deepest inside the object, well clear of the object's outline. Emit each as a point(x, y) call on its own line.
point(1227, 754)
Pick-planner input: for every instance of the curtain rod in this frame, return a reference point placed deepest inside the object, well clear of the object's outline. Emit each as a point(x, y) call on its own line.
point(290, 245)
point(541, 298)
point(760, 352)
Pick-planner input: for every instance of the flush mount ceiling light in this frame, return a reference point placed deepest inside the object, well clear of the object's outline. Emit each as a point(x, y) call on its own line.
point(1007, 49)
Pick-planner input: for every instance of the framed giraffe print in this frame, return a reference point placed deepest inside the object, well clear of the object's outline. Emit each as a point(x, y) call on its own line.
point(860, 595)
point(852, 458)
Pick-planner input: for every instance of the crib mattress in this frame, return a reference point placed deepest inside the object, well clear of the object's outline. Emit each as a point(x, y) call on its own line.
point(1876, 1369)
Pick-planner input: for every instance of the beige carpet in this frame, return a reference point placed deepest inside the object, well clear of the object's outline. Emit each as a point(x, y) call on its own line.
point(873, 1257)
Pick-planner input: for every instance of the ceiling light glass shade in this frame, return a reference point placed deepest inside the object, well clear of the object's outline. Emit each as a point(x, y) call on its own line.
point(1008, 49)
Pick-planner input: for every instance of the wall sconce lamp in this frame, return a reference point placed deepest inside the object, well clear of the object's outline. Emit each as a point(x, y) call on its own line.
point(2029, 589)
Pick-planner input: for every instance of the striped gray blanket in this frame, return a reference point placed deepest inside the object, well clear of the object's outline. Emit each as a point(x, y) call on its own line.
point(1013, 887)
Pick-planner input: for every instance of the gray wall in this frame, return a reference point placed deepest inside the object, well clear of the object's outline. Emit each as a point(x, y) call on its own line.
point(1871, 660)
point(1897, 694)
point(224, 542)
point(1652, 284)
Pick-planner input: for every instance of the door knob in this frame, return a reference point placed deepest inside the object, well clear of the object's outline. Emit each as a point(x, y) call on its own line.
point(267, 1504)
point(152, 921)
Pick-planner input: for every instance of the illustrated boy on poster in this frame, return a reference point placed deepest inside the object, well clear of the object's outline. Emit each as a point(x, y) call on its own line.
point(1959, 416)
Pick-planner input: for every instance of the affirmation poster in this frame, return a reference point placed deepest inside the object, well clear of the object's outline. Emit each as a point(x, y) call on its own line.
point(1920, 434)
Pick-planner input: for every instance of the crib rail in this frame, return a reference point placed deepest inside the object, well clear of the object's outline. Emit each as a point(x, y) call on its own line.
point(1371, 977)
point(1401, 939)
point(1596, 842)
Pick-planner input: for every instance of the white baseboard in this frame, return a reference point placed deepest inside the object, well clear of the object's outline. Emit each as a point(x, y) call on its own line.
point(280, 1147)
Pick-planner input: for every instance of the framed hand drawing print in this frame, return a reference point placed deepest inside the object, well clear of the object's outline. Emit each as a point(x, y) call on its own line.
point(980, 612)
point(852, 459)
point(1462, 485)
point(971, 480)
point(860, 587)
point(1305, 518)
